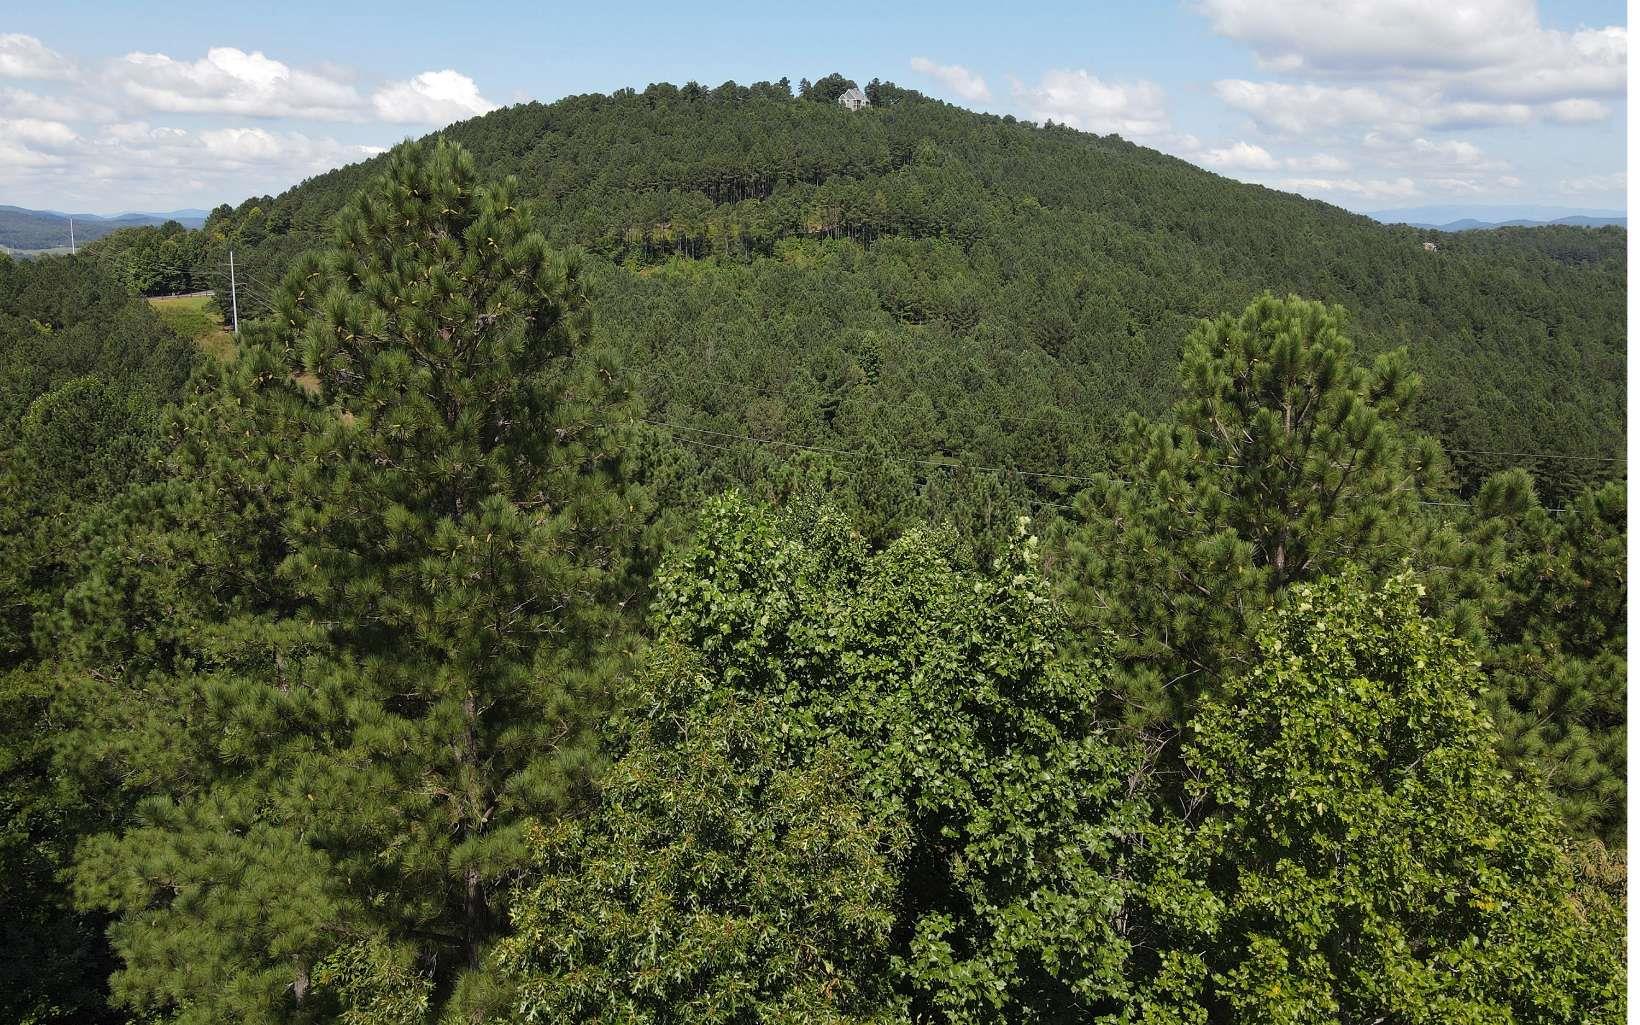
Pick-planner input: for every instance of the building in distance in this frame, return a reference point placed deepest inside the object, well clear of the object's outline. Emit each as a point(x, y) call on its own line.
point(854, 99)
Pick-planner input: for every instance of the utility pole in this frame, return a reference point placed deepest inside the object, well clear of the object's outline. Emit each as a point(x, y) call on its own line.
point(233, 292)
point(72, 248)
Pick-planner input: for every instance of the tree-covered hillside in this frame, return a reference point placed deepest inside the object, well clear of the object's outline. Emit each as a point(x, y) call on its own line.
point(919, 279)
point(712, 558)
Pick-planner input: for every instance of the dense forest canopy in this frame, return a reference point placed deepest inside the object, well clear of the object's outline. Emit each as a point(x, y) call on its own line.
point(706, 555)
point(992, 269)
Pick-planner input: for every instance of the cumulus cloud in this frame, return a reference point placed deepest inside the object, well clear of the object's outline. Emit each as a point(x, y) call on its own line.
point(1323, 162)
point(89, 139)
point(1453, 115)
point(1300, 109)
point(1309, 108)
point(1617, 181)
point(24, 56)
point(23, 103)
point(230, 81)
point(1436, 154)
point(954, 77)
point(1333, 34)
point(137, 163)
point(1083, 100)
point(1384, 81)
point(1398, 188)
point(1489, 48)
point(1241, 156)
point(1577, 111)
point(431, 98)
point(31, 142)
point(36, 132)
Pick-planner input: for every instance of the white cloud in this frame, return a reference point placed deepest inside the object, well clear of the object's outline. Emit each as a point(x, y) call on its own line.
point(1436, 112)
point(1577, 111)
point(1082, 100)
point(22, 103)
point(1461, 186)
point(1241, 156)
point(1429, 154)
point(1335, 34)
point(954, 77)
point(1290, 109)
point(1323, 162)
point(1380, 82)
point(1398, 188)
point(1308, 108)
point(15, 156)
point(1554, 65)
point(35, 132)
point(90, 141)
point(135, 163)
point(30, 142)
point(1617, 181)
point(431, 98)
point(26, 57)
point(230, 81)
point(1484, 48)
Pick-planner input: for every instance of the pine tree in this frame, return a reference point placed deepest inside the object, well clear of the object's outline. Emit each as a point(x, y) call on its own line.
point(1284, 461)
point(452, 536)
point(1557, 651)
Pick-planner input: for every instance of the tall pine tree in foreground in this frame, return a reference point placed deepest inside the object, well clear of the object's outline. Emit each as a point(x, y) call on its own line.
point(453, 529)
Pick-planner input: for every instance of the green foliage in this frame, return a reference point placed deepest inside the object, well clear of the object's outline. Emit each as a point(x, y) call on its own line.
point(1353, 850)
point(376, 984)
point(1285, 461)
point(719, 881)
point(1558, 658)
point(423, 671)
point(164, 259)
point(945, 691)
point(85, 370)
point(827, 89)
point(306, 681)
point(63, 318)
point(1029, 286)
point(54, 963)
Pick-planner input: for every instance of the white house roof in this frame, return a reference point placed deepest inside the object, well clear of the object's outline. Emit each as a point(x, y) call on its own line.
point(853, 94)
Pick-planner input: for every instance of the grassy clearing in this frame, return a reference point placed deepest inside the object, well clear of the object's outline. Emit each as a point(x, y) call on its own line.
point(196, 317)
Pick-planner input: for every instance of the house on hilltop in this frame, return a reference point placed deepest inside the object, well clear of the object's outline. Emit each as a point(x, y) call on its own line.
point(854, 99)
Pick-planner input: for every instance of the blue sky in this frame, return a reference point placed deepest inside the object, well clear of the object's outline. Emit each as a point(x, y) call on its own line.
point(108, 107)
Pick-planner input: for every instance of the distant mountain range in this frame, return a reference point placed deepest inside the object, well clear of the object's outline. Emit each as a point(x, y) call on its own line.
point(27, 230)
point(1474, 218)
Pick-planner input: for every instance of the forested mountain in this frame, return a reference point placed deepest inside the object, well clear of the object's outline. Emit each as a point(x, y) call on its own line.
point(1470, 224)
point(707, 556)
point(924, 280)
point(45, 229)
